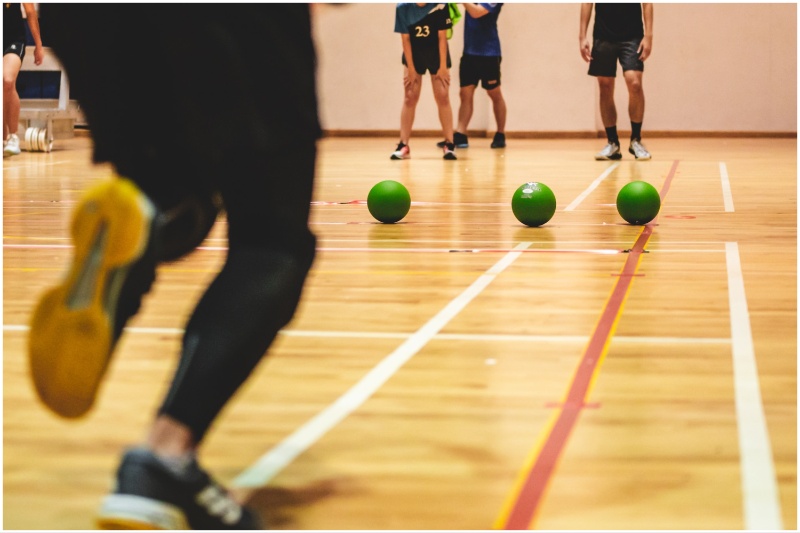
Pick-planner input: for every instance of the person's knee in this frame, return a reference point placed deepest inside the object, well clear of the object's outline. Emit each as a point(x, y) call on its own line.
point(442, 97)
point(274, 278)
point(606, 84)
point(9, 84)
point(186, 225)
point(496, 95)
point(634, 84)
point(411, 98)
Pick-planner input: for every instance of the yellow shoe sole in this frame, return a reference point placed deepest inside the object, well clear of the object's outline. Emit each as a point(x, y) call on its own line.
point(71, 335)
point(123, 524)
point(123, 511)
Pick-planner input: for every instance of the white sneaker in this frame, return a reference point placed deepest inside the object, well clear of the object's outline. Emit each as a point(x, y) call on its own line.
point(638, 150)
point(609, 151)
point(12, 145)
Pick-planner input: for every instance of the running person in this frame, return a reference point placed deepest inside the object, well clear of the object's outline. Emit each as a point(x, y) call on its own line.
point(624, 33)
point(13, 53)
point(480, 62)
point(423, 30)
point(256, 156)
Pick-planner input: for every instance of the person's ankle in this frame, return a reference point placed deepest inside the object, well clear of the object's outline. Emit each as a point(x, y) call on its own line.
point(170, 438)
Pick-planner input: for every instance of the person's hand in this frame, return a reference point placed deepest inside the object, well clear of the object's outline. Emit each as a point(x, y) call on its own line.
point(645, 47)
point(38, 55)
point(586, 50)
point(411, 77)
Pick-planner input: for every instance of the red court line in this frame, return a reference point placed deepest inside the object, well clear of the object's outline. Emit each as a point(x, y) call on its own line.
point(529, 498)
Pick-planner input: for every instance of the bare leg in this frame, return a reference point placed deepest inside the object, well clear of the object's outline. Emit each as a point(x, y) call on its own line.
point(441, 94)
point(499, 107)
point(410, 99)
point(466, 108)
point(608, 110)
point(169, 438)
point(635, 95)
point(11, 66)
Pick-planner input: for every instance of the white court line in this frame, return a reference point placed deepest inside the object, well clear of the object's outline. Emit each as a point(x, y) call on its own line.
point(582, 196)
point(473, 337)
point(304, 437)
point(726, 187)
point(762, 510)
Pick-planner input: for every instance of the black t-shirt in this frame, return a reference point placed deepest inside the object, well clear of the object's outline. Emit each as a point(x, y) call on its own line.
point(422, 24)
point(13, 26)
point(618, 22)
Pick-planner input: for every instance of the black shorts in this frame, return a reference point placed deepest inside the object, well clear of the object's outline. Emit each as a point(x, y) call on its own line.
point(16, 48)
point(485, 69)
point(426, 59)
point(606, 54)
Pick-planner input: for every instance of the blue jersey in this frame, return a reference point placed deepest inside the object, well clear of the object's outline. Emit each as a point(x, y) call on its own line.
point(480, 34)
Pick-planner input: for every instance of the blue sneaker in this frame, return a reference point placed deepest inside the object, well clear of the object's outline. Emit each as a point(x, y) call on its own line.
point(459, 139)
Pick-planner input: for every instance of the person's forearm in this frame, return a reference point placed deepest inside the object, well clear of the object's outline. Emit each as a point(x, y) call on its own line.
point(475, 10)
point(407, 51)
point(647, 14)
point(33, 23)
point(442, 49)
point(586, 14)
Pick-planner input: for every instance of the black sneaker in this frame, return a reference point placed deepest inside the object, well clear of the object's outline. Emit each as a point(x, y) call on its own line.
point(459, 139)
point(401, 152)
point(76, 325)
point(449, 151)
point(499, 140)
point(149, 494)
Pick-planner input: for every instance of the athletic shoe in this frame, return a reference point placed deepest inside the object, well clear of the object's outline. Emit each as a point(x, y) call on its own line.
point(151, 494)
point(609, 151)
point(76, 325)
point(12, 146)
point(499, 140)
point(459, 139)
point(402, 151)
point(449, 151)
point(638, 150)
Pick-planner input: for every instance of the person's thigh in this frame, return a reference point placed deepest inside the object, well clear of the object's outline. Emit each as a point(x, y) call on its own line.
point(490, 72)
point(629, 56)
point(468, 74)
point(267, 199)
point(11, 66)
point(604, 59)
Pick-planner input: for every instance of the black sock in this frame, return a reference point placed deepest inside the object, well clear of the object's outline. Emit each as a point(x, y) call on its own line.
point(611, 133)
point(636, 131)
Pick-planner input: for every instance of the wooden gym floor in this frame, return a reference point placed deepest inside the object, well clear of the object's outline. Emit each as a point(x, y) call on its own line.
point(459, 370)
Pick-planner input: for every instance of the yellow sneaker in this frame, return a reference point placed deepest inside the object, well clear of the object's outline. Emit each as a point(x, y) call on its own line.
point(76, 324)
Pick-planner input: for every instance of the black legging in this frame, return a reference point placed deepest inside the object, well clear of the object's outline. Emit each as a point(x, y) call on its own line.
point(254, 295)
point(199, 99)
